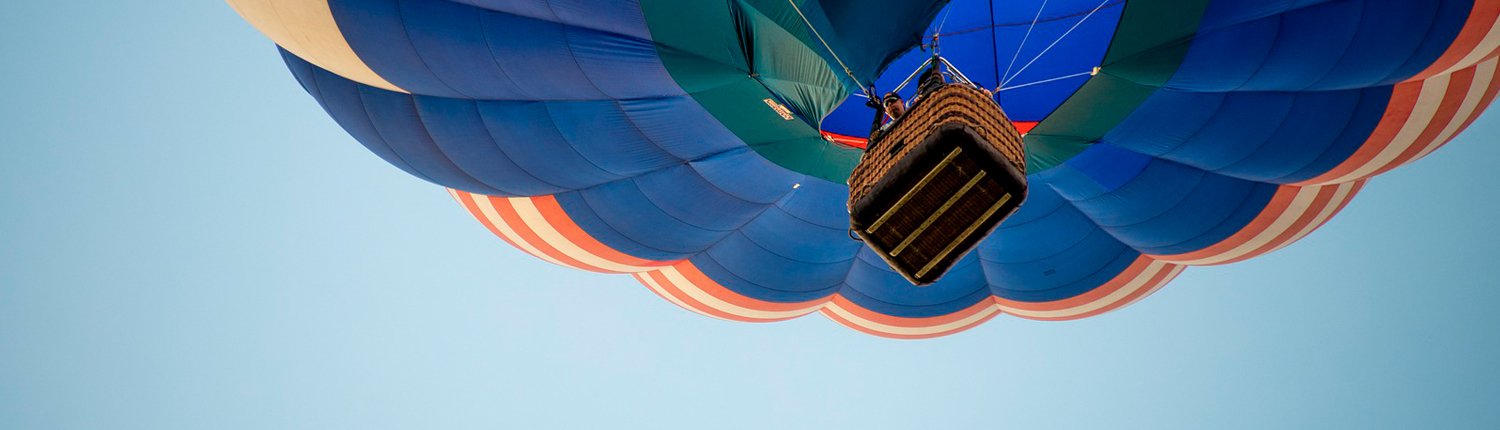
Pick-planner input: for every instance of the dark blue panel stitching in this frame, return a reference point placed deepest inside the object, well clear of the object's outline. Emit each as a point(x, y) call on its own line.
point(489, 49)
point(490, 134)
point(401, 17)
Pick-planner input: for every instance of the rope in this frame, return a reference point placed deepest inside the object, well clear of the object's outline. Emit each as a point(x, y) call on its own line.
point(829, 48)
point(1054, 43)
point(1059, 78)
point(1013, 58)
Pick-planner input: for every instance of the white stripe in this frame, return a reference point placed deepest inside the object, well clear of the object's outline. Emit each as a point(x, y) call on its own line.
point(307, 29)
point(1484, 75)
point(1135, 284)
point(912, 331)
point(1340, 196)
point(1176, 270)
point(687, 287)
point(539, 225)
point(651, 283)
point(1488, 45)
point(1434, 90)
point(488, 209)
point(1300, 204)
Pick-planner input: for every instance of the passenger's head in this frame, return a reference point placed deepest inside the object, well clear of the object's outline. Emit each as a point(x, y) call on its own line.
point(894, 105)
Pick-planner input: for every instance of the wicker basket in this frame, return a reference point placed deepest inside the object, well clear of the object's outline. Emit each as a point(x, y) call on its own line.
point(940, 180)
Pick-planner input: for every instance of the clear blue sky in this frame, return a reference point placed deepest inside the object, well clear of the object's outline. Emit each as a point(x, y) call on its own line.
point(188, 242)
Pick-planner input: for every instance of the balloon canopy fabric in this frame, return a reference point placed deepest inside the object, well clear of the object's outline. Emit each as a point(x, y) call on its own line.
point(703, 146)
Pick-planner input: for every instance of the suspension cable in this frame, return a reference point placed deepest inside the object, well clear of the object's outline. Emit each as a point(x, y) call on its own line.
point(1054, 43)
point(1025, 38)
point(1059, 78)
point(829, 48)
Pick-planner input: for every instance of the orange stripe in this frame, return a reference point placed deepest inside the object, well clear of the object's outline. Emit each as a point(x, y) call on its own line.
point(706, 284)
point(1484, 104)
point(904, 322)
point(1160, 279)
point(1114, 284)
point(866, 330)
point(512, 219)
point(1403, 101)
point(1278, 205)
point(1320, 202)
point(556, 217)
point(693, 305)
point(641, 277)
point(467, 200)
point(1458, 90)
point(1481, 19)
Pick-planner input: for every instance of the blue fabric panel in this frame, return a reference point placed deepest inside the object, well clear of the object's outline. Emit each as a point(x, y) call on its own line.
point(1054, 256)
point(990, 43)
point(514, 148)
point(449, 49)
point(339, 97)
point(1166, 209)
point(803, 290)
point(872, 285)
point(601, 225)
point(1316, 45)
point(621, 17)
point(624, 207)
point(1260, 136)
point(568, 97)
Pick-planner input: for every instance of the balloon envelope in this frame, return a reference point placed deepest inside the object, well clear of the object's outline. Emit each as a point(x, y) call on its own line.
point(702, 147)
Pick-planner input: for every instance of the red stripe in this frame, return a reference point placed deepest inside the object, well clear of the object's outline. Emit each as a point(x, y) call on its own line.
point(912, 323)
point(1157, 281)
point(511, 218)
point(1484, 104)
point(1098, 293)
point(706, 284)
point(1458, 89)
point(1278, 205)
point(1323, 199)
point(1403, 101)
point(556, 217)
point(1481, 19)
point(467, 200)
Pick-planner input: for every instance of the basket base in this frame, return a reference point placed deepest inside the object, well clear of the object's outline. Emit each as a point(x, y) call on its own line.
point(938, 202)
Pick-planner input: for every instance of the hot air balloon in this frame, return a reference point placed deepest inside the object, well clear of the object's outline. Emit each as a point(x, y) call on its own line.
point(703, 147)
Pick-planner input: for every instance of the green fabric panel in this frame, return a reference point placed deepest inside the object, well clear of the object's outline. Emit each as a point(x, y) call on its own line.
point(1149, 45)
point(783, 62)
point(732, 58)
point(733, 55)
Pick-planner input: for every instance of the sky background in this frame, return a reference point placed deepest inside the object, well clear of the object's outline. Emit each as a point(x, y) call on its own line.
point(187, 241)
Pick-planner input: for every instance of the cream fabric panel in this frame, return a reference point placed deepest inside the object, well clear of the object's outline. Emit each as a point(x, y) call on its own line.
point(307, 29)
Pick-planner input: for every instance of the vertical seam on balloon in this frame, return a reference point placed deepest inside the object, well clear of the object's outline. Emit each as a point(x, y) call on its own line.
point(401, 21)
point(489, 49)
point(364, 107)
point(433, 141)
point(1280, 203)
point(547, 108)
point(568, 41)
point(558, 218)
point(490, 134)
point(545, 229)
